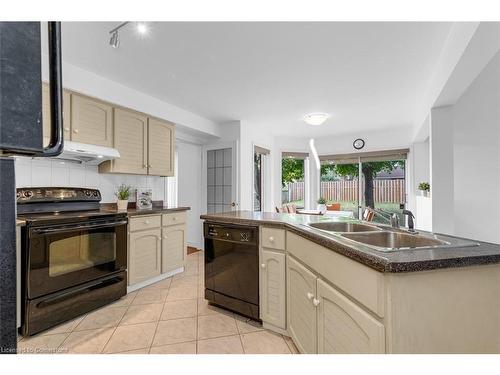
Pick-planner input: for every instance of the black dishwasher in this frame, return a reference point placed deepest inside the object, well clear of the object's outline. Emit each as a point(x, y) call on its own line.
point(232, 267)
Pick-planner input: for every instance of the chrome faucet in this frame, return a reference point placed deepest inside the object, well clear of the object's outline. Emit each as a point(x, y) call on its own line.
point(390, 217)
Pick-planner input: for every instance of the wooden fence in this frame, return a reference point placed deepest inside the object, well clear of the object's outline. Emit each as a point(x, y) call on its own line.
point(384, 191)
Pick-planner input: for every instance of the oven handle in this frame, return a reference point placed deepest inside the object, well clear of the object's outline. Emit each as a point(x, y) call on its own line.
point(78, 227)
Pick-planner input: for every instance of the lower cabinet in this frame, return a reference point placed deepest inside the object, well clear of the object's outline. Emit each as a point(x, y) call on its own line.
point(144, 255)
point(301, 311)
point(173, 247)
point(272, 288)
point(344, 327)
point(322, 320)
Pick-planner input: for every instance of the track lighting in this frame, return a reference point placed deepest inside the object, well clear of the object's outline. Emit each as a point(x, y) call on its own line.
point(114, 40)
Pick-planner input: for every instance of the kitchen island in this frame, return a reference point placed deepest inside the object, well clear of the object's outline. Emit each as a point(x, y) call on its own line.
point(335, 295)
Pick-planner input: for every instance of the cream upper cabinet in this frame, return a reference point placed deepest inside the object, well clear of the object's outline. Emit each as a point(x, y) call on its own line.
point(173, 247)
point(144, 255)
point(344, 327)
point(161, 136)
point(46, 114)
point(130, 139)
point(301, 310)
point(91, 121)
point(272, 288)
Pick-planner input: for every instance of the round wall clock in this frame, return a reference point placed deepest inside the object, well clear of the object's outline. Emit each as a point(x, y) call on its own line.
point(358, 144)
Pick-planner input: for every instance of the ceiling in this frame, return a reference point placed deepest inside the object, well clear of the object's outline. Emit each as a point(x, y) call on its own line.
point(368, 76)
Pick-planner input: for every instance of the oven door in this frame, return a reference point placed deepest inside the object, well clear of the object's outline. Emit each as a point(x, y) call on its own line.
point(65, 255)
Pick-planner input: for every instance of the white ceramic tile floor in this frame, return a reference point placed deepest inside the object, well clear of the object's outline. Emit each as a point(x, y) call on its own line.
point(169, 317)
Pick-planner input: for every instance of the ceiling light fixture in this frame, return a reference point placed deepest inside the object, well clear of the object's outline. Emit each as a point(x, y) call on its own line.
point(316, 118)
point(114, 40)
point(142, 28)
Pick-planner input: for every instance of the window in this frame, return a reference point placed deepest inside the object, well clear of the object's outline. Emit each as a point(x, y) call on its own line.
point(257, 182)
point(381, 185)
point(259, 170)
point(293, 178)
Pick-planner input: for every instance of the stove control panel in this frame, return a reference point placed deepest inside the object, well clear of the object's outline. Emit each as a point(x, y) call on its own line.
point(56, 194)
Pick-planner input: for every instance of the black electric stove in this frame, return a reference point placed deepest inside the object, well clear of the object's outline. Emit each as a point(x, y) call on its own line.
point(74, 255)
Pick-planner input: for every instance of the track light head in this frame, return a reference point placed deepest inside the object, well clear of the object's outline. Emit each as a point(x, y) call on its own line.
point(114, 41)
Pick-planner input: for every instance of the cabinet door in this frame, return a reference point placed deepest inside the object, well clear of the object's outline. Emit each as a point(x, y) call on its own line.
point(272, 288)
point(173, 248)
point(130, 138)
point(46, 114)
point(344, 327)
point(301, 290)
point(91, 121)
point(144, 255)
point(161, 136)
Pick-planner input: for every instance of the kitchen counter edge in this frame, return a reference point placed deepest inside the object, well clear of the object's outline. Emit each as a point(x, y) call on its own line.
point(394, 262)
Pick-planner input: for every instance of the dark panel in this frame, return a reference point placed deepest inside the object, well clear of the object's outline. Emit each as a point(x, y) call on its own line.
point(20, 87)
point(8, 335)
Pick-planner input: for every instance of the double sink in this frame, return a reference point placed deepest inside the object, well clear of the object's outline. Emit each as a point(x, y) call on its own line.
point(385, 239)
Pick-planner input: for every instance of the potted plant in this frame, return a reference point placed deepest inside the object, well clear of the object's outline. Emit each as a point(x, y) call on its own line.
point(424, 188)
point(123, 194)
point(321, 205)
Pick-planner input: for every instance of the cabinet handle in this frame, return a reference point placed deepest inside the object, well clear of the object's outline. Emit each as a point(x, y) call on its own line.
point(144, 166)
point(149, 165)
point(158, 238)
point(271, 239)
point(263, 265)
point(146, 222)
point(316, 302)
point(164, 237)
point(310, 296)
point(174, 218)
point(75, 131)
point(66, 129)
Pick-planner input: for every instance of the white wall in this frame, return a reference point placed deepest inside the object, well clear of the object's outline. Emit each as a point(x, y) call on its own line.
point(189, 187)
point(476, 157)
point(441, 171)
point(44, 172)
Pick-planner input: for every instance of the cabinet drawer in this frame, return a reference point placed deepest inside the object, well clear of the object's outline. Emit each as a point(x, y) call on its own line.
point(355, 279)
point(174, 218)
point(273, 238)
point(144, 222)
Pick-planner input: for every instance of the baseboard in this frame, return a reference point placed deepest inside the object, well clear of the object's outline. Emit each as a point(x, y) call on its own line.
point(163, 276)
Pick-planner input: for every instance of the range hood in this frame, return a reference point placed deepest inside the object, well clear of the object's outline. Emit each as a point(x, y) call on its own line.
point(88, 154)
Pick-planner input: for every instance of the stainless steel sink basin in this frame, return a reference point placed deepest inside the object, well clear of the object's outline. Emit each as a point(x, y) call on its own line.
point(387, 241)
point(340, 227)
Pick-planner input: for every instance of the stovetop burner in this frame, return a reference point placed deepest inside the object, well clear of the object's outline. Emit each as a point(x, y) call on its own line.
point(59, 203)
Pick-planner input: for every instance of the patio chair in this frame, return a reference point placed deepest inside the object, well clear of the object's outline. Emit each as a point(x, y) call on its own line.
point(368, 214)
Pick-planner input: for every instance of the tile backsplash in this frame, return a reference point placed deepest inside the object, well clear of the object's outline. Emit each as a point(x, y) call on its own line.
point(54, 172)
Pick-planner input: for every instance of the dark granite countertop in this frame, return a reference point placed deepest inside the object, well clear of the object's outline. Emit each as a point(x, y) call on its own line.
point(134, 212)
point(393, 261)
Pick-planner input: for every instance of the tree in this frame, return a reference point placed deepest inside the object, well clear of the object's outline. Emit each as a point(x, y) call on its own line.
point(292, 170)
point(369, 170)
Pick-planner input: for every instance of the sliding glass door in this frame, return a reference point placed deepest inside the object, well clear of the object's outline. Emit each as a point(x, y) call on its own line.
point(377, 180)
point(339, 185)
point(293, 172)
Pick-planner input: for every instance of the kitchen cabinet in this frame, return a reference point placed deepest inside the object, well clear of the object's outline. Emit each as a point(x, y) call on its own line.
point(130, 139)
point(146, 145)
point(91, 121)
point(301, 308)
point(173, 250)
point(157, 246)
point(272, 288)
point(144, 255)
point(344, 327)
point(161, 138)
point(46, 114)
